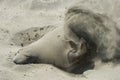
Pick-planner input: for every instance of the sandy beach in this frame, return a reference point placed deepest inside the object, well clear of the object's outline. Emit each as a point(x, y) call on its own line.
point(20, 15)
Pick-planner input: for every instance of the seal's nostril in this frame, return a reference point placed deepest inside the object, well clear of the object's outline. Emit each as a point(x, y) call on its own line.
point(15, 62)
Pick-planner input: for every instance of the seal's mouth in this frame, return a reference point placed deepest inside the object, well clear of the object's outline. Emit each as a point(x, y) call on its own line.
point(32, 60)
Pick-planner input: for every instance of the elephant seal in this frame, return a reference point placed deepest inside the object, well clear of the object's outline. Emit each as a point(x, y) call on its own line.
point(73, 47)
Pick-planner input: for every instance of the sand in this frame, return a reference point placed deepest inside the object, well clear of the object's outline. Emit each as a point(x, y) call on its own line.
point(19, 15)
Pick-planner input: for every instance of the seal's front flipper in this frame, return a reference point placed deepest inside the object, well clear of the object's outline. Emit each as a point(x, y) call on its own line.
point(77, 50)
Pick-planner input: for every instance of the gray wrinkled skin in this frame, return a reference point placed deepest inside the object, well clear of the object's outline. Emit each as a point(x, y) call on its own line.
point(99, 31)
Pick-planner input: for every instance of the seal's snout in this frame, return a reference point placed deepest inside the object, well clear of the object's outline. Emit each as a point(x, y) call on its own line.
point(22, 59)
point(19, 59)
point(15, 62)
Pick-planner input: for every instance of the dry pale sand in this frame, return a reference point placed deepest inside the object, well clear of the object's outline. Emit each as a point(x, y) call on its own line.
point(19, 15)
